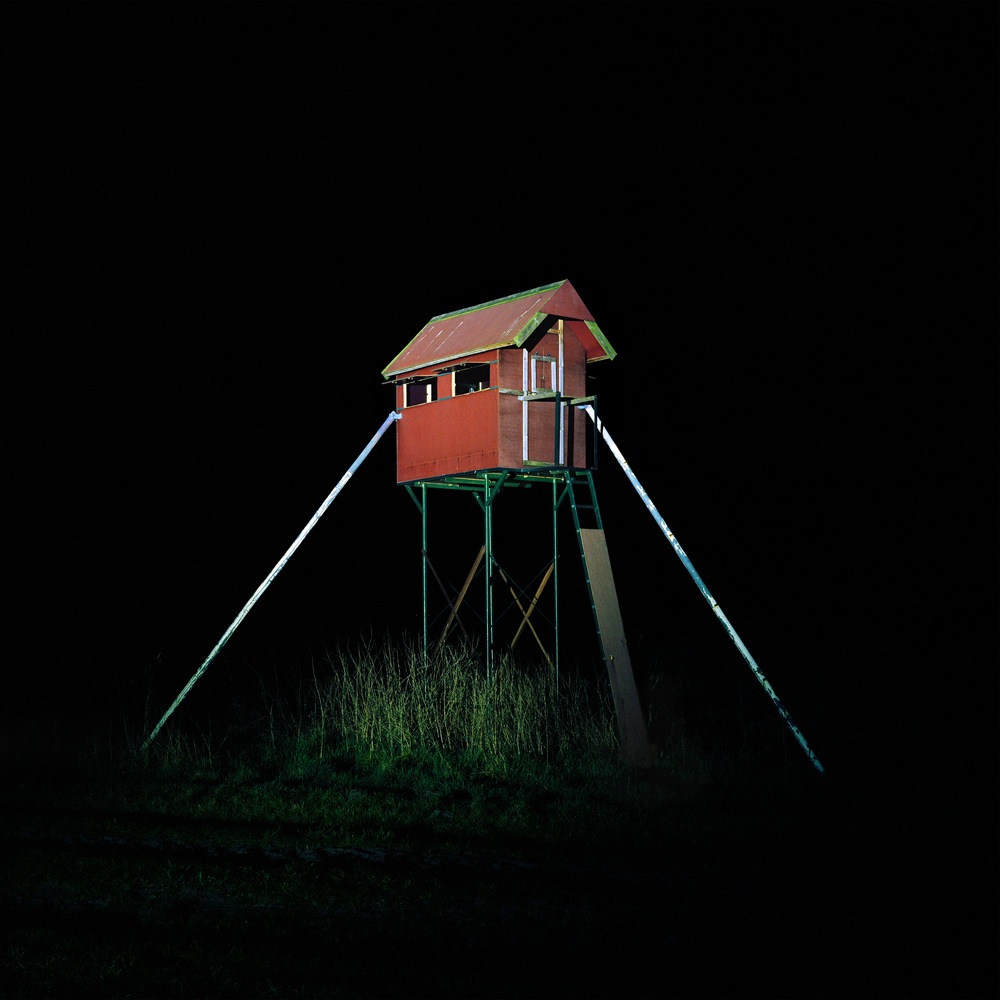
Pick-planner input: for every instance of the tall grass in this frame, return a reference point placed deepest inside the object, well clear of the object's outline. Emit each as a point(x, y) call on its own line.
point(395, 705)
point(383, 704)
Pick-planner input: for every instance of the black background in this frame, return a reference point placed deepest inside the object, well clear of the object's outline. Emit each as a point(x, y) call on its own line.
point(225, 222)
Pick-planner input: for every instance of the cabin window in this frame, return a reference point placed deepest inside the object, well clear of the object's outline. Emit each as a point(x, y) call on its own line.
point(544, 374)
point(475, 378)
point(419, 391)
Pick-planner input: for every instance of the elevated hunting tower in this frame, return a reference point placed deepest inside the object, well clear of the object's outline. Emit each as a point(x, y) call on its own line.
point(491, 398)
point(483, 368)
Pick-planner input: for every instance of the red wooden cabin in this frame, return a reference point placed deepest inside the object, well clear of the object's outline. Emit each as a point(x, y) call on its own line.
point(483, 388)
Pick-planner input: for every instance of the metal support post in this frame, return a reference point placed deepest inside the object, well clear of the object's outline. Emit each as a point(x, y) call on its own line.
point(555, 572)
point(423, 537)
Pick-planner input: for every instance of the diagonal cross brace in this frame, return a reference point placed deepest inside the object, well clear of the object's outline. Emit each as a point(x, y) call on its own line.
point(526, 615)
point(531, 607)
point(453, 616)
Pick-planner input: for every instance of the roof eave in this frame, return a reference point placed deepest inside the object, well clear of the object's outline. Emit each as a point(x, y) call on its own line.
point(561, 295)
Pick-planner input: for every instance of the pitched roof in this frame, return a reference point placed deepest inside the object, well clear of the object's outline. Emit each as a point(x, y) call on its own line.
point(506, 322)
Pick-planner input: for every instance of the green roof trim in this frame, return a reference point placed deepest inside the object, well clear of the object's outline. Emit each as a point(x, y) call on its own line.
point(601, 339)
point(531, 326)
point(457, 333)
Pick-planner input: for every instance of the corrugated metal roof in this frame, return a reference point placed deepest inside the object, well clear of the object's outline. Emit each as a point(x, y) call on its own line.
point(505, 322)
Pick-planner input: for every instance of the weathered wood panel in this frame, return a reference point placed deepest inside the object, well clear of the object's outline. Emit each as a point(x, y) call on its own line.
point(635, 743)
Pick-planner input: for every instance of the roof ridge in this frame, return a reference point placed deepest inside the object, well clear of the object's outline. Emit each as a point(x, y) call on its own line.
point(496, 302)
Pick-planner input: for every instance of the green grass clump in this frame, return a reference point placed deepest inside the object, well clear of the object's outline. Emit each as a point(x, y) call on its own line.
point(378, 746)
point(395, 705)
point(380, 707)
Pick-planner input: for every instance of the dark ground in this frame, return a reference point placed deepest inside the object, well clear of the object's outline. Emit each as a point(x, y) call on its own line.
point(833, 892)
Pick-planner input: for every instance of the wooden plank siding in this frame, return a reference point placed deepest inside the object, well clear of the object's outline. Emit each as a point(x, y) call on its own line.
point(458, 434)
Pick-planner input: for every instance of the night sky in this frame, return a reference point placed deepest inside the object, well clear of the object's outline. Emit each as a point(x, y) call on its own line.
point(227, 221)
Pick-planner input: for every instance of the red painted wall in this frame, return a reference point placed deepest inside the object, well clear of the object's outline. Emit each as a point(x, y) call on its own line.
point(483, 430)
point(448, 436)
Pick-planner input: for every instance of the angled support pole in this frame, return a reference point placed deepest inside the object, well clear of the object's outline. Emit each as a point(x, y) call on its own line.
point(389, 420)
point(682, 555)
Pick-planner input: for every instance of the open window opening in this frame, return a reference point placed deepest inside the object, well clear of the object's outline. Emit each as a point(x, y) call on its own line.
point(474, 378)
point(544, 373)
point(423, 390)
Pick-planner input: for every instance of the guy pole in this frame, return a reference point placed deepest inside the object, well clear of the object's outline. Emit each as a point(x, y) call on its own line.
point(796, 732)
point(274, 572)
